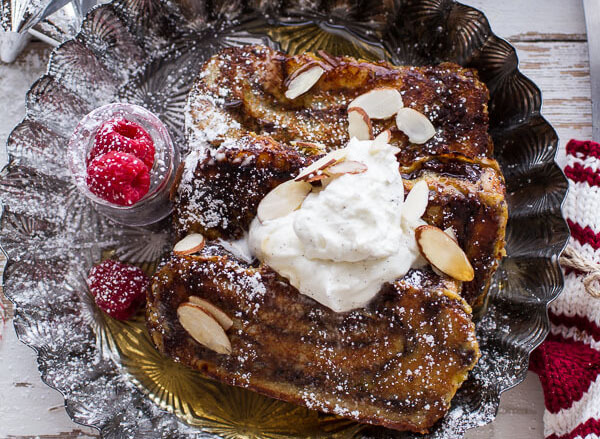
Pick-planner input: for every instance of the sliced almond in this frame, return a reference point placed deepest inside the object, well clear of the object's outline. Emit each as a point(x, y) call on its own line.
point(381, 140)
point(384, 137)
point(450, 232)
point(315, 174)
point(443, 253)
point(415, 125)
point(214, 311)
point(192, 243)
point(359, 124)
point(327, 160)
point(379, 103)
point(331, 60)
point(416, 201)
point(320, 175)
point(203, 328)
point(346, 167)
point(303, 80)
point(282, 200)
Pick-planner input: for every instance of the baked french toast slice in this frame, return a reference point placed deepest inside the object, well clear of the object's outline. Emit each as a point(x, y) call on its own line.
point(238, 102)
point(219, 198)
point(469, 198)
point(396, 363)
point(243, 90)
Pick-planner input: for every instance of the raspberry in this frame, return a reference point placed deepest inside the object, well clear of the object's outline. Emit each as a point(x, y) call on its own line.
point(124, 136)
point(118, 289)
point(118, 177)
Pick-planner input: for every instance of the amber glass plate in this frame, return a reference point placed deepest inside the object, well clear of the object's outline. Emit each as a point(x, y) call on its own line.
point(148, 53)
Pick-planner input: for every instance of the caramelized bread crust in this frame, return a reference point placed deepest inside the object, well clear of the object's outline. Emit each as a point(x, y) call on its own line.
point(396, 363)
point(238, 103)
point(472, 203)
point(220, 196)
point(246, 87)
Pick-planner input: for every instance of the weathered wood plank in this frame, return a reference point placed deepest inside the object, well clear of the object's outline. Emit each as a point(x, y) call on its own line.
point(534, 20)
point(28, 407)
point(561, 70)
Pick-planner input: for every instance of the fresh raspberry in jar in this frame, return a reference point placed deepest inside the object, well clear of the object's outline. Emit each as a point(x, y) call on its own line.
point(118, 177)
point(123, 135)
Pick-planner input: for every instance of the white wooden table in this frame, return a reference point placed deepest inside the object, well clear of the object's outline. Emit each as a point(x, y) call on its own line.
point(551, 41)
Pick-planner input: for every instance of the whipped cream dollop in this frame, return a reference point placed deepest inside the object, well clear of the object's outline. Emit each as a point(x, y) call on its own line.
point(348, 237)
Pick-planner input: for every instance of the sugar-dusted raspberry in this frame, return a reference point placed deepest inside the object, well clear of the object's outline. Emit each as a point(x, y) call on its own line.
point(118, 177)
point(118, 289)
point(125, 136)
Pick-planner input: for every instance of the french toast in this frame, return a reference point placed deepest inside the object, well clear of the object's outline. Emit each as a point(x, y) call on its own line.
point(238, 102)
point(396, 362)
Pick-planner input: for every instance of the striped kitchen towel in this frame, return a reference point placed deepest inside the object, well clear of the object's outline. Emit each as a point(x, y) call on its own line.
point(568, 362)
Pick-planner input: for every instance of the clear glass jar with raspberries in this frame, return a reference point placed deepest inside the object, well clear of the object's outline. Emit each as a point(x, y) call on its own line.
point(122, 158)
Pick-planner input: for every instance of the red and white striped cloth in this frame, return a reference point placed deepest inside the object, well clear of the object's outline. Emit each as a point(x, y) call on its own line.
point(568, 362)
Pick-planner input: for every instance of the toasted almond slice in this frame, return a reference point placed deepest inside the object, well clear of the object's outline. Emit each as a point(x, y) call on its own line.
point(450, 232)
point(383, 137)
point(359, 124)
point(192, 243)
point(214, 311)
point(443, 253)
point(328, 159)
point(379, 103)
point(303, 80)
point(318, 176)
point(203, 328)
point(329, 59)
point(315, 169)
point(415, 125)
point(346, 167)
point(282, 200)
point(416, 202)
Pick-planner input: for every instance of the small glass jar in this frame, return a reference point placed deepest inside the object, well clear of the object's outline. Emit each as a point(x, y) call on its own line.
point(155, 205)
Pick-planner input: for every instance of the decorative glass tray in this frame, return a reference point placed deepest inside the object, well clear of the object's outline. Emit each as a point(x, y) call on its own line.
point(147, 52)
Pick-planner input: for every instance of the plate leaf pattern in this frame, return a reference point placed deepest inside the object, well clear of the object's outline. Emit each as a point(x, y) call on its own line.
point(148, 52)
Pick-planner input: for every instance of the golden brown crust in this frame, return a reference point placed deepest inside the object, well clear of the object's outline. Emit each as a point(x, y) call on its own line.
point(396, 363)
point(219, 197)
point(245, 88)
point(221, 200)
point(475, 208)
point(248, 84)
point(286, 345)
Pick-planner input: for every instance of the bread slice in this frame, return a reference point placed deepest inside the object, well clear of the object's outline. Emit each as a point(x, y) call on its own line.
point(238, 103)
point(399, 361)
point(396, 363)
